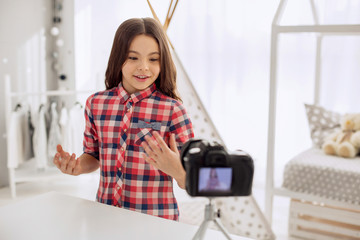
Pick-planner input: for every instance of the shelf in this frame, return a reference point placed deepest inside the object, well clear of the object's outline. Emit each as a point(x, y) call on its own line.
point(28, 172)
point(50, 93)
point(351, 29)
point(312, 198)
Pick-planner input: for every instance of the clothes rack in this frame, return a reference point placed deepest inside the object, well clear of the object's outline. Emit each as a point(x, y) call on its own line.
point(28, 172)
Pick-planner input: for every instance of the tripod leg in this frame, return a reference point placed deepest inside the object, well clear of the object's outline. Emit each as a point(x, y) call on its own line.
point(201, 231)
point(222, 228)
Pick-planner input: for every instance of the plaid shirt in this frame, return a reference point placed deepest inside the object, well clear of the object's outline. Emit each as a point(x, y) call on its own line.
point(116, 124)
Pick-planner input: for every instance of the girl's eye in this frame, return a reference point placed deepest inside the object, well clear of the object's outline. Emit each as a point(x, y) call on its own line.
point(154, 59)
point(133, 58)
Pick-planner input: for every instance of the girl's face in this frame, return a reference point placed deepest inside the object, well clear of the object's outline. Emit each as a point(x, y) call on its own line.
point(213, 173)
point(142, 66)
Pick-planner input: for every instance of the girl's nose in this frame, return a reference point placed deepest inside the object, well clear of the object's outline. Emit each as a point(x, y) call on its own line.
point(144, 65)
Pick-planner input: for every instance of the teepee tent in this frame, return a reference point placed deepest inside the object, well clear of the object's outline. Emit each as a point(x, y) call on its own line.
point(239, 215)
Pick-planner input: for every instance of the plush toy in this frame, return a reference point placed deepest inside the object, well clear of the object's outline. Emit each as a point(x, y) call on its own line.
point(346, 141)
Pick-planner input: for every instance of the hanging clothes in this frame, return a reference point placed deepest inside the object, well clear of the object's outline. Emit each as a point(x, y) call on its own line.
point(40, 139)
point(75, 130)
point(20, 136)
point(54, 134)
point(28, 135)
point(16, 146)
point(64, 122)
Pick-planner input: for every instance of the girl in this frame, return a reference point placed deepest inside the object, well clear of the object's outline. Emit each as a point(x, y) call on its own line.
point(130, 125)
point(213, 182)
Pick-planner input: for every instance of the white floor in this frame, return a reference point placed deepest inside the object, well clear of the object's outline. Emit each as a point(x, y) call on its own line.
point(85, 186)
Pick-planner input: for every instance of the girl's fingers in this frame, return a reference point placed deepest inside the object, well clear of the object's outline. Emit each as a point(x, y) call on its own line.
point(147, 149)
point(71, 165)
point(160, 141)
point(61, 151)
point(77, 169)
point(59, 148)
point(67, 159)
point(155, 148)
point(63, 159)
point(173, 145)
point(150, 160)
point(57, 160)
point(63, 167)
point(64, 162)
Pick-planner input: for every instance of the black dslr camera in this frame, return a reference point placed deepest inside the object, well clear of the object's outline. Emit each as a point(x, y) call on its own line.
point(213, 172)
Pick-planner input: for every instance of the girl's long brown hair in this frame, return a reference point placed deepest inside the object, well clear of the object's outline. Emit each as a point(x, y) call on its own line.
point(127, 31)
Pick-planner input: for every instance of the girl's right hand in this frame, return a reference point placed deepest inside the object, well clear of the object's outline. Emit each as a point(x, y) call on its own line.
point(66, 163)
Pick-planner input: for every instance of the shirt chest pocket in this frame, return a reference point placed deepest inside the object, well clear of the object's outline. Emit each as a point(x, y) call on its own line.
point(145, 128)
point(140, 135)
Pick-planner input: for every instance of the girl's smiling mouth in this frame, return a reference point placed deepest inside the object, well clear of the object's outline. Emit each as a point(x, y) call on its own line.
point(141, 78)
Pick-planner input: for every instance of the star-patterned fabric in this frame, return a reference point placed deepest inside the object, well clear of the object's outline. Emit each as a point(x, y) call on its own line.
point(332, 177)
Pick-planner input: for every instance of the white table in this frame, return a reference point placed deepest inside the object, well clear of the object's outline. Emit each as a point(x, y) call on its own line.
point(58, 216)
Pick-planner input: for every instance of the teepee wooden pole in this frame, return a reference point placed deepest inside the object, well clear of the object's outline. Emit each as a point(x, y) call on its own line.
point(167, 16)
point(172, 13)
point(153, 12)
point(156, 17)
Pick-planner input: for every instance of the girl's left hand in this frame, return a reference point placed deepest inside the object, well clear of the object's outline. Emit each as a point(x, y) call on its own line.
point(164, 158)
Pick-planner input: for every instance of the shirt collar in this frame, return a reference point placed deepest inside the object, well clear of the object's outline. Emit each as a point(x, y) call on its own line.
point(136, 97)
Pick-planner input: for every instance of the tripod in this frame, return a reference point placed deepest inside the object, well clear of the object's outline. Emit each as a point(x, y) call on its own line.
point(210, 215)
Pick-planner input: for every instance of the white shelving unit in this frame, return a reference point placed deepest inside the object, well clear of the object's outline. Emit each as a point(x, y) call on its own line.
point(320, 32)
point(28, 172)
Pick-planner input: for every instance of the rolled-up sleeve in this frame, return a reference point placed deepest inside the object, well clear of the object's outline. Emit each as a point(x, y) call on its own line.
point(91, 143)
point(181, 125)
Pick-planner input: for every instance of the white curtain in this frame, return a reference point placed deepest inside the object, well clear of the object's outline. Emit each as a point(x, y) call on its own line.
point(225, 48)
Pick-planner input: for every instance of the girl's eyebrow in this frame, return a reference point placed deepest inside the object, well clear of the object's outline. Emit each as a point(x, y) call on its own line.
point(132, 51)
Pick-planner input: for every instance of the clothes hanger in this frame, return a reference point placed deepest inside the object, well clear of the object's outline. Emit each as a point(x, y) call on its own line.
point(77, 103)
point(17, 107)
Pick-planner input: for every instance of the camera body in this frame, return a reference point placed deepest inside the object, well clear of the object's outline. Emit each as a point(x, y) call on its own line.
point(211, 171)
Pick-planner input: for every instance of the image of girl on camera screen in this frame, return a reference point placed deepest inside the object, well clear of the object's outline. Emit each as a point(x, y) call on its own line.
point(214, 179)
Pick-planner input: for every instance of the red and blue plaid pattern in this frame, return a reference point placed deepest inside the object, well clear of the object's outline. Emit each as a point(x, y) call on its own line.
point(116, 124)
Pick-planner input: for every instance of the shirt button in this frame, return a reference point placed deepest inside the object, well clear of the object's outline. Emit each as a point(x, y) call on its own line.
point(125, 130)
point(117, 187)
point(122, 149)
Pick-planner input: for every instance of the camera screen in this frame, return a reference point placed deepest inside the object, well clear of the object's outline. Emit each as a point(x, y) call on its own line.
point(216, 179)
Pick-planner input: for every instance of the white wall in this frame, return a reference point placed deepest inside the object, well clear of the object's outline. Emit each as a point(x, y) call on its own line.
point(225, 49)
point(25, 53)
